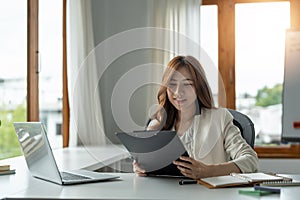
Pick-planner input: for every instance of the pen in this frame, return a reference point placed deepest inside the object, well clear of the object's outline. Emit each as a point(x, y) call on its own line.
point(185, 182)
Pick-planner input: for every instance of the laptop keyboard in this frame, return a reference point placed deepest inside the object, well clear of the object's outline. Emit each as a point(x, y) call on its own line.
point(68, 176)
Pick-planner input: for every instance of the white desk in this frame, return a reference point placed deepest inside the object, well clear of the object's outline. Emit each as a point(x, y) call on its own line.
point(129, 186)
point(90, 158)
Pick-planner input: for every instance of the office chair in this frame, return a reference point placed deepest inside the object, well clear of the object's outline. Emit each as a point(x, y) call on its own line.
point(246, 126)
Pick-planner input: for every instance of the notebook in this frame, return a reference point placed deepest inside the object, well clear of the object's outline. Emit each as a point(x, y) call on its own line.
point(5, 170)
point(155, 151)
point(41, 162)
point(281, 183)
point(239, 179)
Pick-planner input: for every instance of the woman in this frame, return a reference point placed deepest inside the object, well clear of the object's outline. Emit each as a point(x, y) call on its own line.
point(214, 143)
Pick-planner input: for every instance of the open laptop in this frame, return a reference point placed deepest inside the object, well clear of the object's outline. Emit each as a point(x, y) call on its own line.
point(41, 162)
point(155, 151)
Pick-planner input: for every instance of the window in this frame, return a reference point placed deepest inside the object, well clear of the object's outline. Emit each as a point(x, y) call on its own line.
point(227, 62)
point(15, 99)
point(13, 62)
point(259, 65)
point(50, 68)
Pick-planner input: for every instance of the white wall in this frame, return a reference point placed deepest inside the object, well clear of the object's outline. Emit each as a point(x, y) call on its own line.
point(111, 17)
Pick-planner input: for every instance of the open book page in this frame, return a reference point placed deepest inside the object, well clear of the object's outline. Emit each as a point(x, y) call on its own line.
point(238, 179)
point(222, 181)
point(258, 177)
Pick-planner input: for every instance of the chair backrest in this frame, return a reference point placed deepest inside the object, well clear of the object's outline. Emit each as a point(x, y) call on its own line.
point(245, 125)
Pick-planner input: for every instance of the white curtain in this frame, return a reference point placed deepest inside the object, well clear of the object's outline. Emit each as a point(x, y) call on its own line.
point(84, 125)
point(173, 27)
point(182, 18)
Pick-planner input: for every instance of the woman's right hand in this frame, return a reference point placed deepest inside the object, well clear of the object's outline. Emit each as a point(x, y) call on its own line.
point(136, 169)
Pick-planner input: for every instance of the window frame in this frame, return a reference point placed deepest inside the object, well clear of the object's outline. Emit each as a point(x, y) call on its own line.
point(226, 31)
point(33, 67)
point(65, 107)
point(32, 60)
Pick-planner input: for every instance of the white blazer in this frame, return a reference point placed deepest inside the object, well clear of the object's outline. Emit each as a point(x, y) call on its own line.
point(213, 139)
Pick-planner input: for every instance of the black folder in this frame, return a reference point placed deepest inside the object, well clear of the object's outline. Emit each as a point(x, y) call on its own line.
point(154, 151)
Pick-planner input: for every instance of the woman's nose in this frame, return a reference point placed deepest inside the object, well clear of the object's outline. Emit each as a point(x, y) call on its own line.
point(178, 90)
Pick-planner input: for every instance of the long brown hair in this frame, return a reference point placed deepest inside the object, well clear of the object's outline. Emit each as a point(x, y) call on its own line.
point(167, 113)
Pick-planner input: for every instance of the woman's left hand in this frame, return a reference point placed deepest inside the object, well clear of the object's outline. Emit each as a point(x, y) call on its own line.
point(192, 168)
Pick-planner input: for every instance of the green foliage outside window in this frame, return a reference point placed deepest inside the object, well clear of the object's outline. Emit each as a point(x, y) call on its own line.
point(269, 96)
point(9, 145)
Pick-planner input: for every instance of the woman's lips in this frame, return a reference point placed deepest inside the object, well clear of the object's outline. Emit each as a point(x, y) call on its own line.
point(180, 101)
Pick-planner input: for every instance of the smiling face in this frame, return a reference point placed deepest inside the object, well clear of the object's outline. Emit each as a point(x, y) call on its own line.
point(181, 90)
point(184, 88)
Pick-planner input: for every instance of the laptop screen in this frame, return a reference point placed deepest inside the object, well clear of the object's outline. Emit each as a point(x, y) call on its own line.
point(37, 151)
